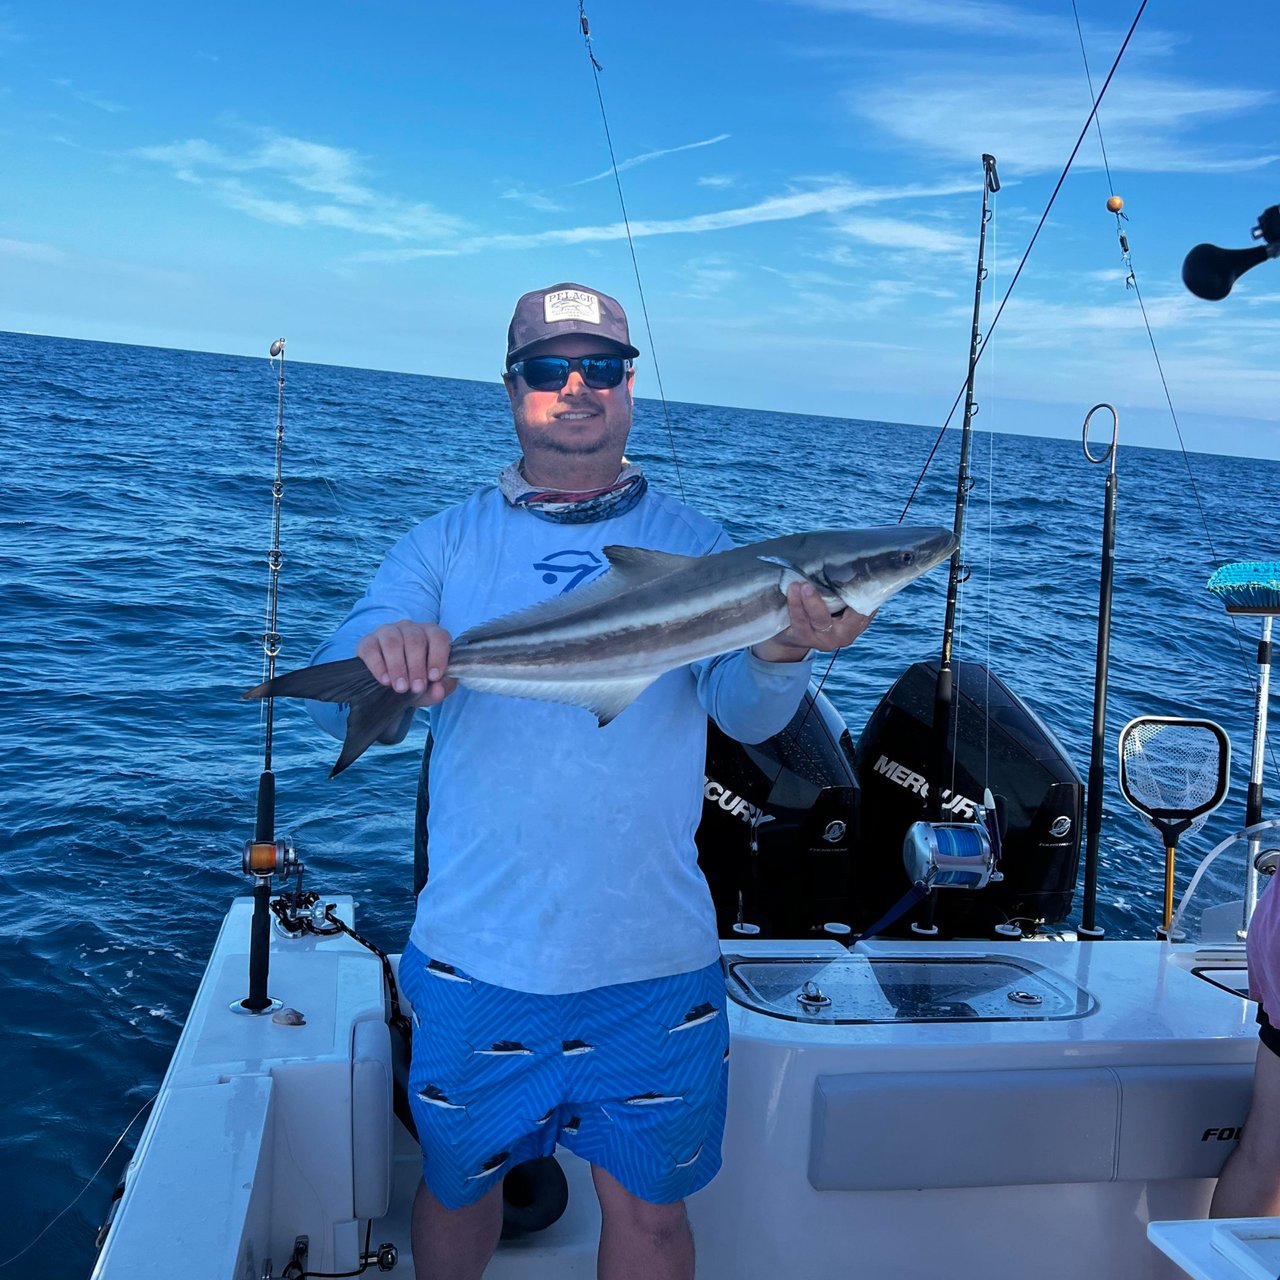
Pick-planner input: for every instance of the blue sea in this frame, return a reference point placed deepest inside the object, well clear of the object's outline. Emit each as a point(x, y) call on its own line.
point(135, 519)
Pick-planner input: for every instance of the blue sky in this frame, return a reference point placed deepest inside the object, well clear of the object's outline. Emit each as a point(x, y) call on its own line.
point(378, 181)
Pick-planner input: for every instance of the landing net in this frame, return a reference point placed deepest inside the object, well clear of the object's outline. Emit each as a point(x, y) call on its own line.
point(1174, 769)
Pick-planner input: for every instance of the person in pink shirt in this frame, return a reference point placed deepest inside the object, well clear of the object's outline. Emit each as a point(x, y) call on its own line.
point(1249, 1185)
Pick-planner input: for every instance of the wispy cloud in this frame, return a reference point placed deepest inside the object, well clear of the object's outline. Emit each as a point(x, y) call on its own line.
point(32, 251)
point(708, 278)
point(264, 182)
point(982, 16)
point(652, 155)
point(535, 200)
point(831, 199)
point(894, 233)
point(1031, 121)
point(717, 180)
point(90, 97)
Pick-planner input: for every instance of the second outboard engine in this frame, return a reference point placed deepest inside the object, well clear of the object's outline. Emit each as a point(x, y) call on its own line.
point(1001, 744)
point(779, 823)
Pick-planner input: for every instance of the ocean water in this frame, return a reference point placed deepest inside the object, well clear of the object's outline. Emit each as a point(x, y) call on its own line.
point(135, 517)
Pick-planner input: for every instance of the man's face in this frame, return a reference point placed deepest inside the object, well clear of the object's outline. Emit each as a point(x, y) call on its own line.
point(576, 425)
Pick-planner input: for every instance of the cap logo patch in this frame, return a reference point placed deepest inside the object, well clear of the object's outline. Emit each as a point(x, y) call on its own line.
point(571, 304)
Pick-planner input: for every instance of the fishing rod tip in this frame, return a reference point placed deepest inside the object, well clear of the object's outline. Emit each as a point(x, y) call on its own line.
point(277, 347)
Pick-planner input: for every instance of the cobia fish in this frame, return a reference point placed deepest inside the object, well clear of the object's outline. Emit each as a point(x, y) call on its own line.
point(601, 646)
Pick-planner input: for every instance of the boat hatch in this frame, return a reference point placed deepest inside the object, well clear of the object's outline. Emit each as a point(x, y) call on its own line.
point(857, 988)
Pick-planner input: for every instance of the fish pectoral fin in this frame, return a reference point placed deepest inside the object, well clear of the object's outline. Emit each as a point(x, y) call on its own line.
point(792, 574)
point(373, 710)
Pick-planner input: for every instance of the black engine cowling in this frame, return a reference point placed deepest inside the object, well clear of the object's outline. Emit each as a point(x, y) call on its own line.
point(1001, 744)
point(779, 825)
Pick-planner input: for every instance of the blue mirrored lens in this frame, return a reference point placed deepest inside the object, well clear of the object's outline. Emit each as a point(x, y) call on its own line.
point(550, 373)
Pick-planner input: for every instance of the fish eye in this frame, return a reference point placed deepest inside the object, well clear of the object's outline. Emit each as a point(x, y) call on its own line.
point(908, 557)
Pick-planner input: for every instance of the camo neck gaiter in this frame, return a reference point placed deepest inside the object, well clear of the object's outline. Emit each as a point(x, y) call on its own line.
point(566, 507)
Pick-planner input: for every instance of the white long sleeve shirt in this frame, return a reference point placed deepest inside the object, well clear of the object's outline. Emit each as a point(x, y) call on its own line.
point(562, 853)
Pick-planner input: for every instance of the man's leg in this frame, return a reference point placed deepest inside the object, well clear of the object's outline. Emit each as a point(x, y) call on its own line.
point(639, 1240)
point(1250, 1183)
point(455, 1244)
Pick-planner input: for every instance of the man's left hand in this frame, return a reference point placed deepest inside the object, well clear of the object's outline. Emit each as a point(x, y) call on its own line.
point(812, 627)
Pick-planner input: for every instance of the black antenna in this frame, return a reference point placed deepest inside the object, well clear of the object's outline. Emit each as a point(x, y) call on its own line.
point(266, 855)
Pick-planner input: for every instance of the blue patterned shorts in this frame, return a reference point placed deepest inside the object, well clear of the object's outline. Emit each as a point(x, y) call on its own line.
point(633, 1078)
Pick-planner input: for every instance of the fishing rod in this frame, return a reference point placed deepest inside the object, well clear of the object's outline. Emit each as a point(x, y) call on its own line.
point(942, 750)
point(944, 695)
point(268, 855)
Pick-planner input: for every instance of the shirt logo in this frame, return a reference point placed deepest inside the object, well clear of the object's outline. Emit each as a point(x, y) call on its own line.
point(568, 567)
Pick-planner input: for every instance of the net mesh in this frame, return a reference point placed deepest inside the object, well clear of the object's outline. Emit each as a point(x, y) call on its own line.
point(1172, 769)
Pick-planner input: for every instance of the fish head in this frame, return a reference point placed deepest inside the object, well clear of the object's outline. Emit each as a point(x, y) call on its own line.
point(864, 567)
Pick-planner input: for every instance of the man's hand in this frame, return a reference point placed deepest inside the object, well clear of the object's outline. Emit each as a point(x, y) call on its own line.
point(410, 657)
point(812, 627)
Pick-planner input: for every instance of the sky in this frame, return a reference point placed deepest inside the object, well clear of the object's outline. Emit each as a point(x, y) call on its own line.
point(378, 181)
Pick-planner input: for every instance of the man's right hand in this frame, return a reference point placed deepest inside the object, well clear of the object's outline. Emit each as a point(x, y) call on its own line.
point(410, 657)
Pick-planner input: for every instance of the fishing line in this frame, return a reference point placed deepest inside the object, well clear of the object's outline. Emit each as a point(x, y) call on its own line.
point(48, 1226)
point(596, 68)
point(1131, 282)
point(991, 490)
point(1035, 235)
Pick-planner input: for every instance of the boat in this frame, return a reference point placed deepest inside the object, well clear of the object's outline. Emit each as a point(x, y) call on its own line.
point(944, 1091)
point(945, 1083)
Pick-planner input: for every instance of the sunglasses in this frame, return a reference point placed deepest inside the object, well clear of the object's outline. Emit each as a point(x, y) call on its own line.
point(550, 373)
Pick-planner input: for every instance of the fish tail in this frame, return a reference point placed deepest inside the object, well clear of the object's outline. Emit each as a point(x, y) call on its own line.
point(373, 710)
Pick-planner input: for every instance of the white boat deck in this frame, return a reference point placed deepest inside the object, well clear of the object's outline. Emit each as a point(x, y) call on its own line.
point(907, 1146)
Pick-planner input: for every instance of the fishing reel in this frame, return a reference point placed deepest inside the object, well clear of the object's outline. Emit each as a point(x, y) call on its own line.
point(267, 858)
point(955, 855)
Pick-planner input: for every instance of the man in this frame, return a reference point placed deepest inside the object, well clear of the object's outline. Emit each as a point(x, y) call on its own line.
point(564, 962)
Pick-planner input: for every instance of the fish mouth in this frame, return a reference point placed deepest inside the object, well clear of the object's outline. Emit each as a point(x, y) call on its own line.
point(939, 551)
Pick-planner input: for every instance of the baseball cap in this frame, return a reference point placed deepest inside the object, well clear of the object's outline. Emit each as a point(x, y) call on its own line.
point(567, 308)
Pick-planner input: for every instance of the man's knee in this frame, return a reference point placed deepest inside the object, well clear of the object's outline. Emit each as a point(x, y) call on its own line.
point(664, 1221)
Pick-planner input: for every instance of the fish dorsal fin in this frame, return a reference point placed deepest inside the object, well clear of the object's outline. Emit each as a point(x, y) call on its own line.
point(628, 567)
point(638, 564)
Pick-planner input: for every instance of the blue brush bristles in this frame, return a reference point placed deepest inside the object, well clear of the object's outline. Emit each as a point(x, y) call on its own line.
point(1248, 586)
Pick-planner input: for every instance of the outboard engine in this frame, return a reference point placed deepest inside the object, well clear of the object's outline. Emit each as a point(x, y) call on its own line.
point(1000, 744)
point(779, 824)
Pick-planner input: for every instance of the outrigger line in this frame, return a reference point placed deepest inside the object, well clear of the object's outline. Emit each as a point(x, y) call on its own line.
point(1115, 205)
point(596, 68)
point(1035, 235)
point(741, 926)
